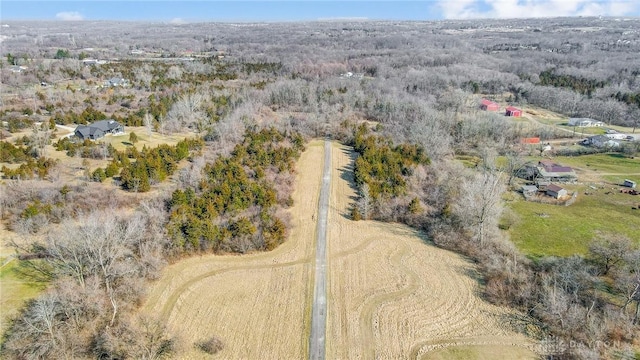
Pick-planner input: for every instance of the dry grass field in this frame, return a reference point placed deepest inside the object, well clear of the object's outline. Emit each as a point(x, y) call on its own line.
point(394, 295)
point(391, 293)
point(258, 304)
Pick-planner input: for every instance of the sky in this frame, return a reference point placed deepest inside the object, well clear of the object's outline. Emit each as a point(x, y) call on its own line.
point(307, 10)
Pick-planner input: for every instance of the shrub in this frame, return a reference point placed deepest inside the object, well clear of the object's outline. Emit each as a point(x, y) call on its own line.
point(211, 346)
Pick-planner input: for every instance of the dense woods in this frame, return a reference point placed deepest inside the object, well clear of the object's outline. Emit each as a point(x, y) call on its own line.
point(404, 94)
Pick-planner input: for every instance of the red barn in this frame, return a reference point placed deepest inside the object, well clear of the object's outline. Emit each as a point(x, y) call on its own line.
point(488, 105)
point(513, 111)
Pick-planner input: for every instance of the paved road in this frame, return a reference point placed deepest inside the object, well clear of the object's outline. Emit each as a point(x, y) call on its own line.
point(319, 306)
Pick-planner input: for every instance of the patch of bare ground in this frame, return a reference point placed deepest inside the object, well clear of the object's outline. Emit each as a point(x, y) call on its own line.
point(392, 294)
point(257, 304)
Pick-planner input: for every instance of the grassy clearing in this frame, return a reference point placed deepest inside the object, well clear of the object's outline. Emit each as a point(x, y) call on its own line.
point(15, 290)
point(611, 163)
point(153, 139)
point(543, 229)
point(479, 352)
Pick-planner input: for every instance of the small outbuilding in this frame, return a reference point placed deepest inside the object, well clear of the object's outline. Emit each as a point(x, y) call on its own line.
point(629, 183)
point(556, 191)
point(488, 105)
point(513, 111)
point(530, 140)
point(529, 190)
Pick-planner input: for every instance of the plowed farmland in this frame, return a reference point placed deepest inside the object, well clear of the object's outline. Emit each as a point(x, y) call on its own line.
point(391, 293)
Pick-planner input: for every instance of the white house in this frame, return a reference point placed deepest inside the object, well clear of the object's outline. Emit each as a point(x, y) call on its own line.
point(584, 122)
point(616, 136)
point(600, 141)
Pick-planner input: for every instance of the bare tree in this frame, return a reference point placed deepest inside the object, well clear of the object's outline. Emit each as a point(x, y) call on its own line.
point(188, 112)
point(609, 250)
point(364, 203)
point(479, 205)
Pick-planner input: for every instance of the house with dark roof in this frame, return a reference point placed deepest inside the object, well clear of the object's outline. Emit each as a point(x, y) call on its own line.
point(98, 129)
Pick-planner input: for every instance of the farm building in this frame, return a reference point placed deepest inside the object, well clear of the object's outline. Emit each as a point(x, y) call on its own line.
point(513, 111)
point(529, 190)
point(530, 140)
point(550, 171)
point(556, 191)
point(600, 141)
point(584, 122)
point(616, 136)
point(488, 105)
point(629, 183)
point(98, 129)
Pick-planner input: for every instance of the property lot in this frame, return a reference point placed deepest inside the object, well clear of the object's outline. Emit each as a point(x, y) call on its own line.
point(544, 229)
point(392, 294)
point(259, 305)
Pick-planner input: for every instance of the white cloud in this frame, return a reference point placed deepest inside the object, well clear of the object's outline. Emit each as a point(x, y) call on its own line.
point(177, 21)
point(466, 9)
point(69, 16)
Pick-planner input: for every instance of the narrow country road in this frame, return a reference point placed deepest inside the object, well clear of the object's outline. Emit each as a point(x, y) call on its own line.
point(319, 306)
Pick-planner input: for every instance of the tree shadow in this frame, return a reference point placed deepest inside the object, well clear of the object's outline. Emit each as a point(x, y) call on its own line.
point(346, 174)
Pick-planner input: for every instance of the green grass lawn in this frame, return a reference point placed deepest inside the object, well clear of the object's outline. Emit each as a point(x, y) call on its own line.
point(480, 352)
point(15, 290)
point(605, 163)
point(567, 230)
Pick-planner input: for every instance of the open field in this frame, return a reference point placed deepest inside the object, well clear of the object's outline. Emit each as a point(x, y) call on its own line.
point(150, 140)
point(392, 294)
point(258, 304)
point(603, 164)
point(558, 121)
point(395, 295)
point(544, 229)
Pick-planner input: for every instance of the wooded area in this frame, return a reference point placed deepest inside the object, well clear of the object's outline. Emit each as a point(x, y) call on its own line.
point(98, 220)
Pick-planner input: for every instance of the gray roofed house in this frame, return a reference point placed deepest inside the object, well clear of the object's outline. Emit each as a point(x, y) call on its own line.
point(117, 81)
point(98, 129)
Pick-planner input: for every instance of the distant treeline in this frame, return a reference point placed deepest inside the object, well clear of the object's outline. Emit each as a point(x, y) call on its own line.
point(580, 85)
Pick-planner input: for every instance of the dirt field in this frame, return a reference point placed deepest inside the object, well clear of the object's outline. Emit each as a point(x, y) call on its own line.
point(391, 293)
